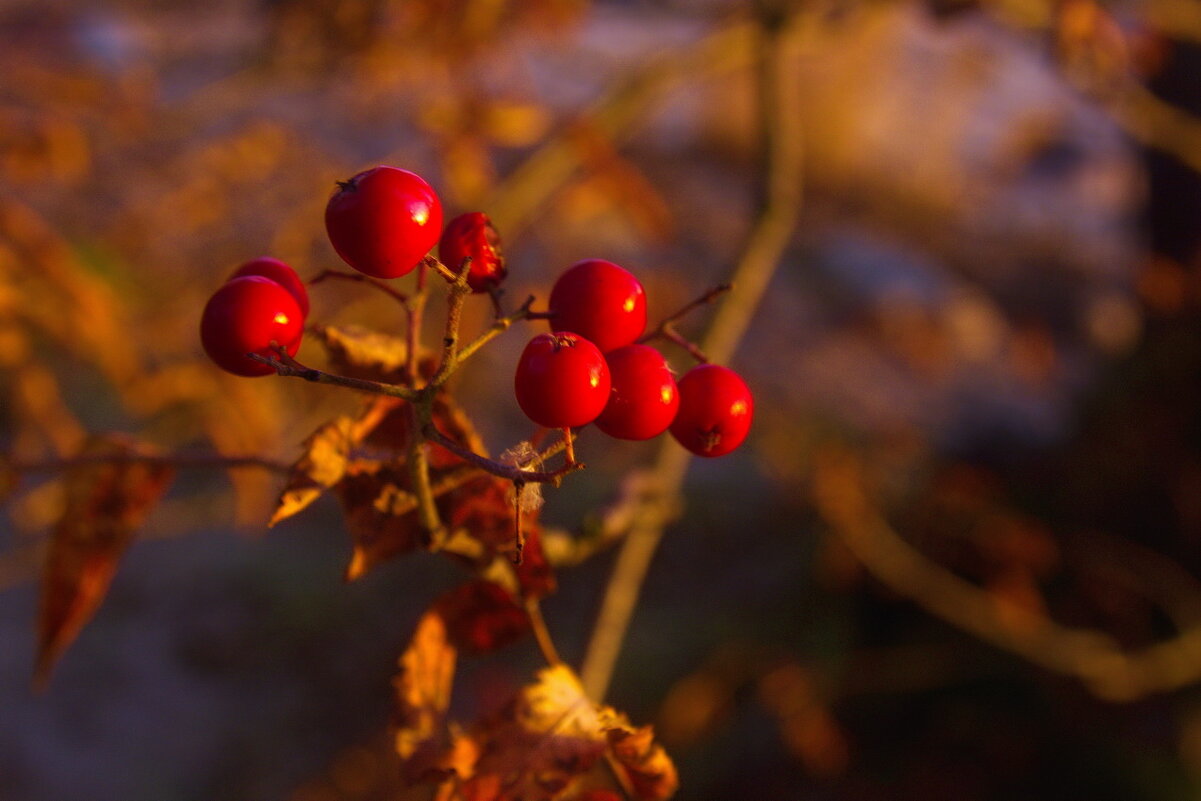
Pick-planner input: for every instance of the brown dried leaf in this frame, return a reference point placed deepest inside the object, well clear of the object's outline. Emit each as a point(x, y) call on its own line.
point(362, 353)
point(105, 503)
point(380, 506)
point(482, 616)
point(550, 734)
point(648, 769)
point(427, 669)
point(367, 494)
point(327, 452)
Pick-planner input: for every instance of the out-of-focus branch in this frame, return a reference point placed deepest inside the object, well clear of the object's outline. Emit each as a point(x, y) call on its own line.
point(778, 98)
point(1094, 657)
point(1158, 124)
point(615, 116)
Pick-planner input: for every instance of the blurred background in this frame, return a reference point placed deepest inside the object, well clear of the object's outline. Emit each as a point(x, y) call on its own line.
point(957, 558)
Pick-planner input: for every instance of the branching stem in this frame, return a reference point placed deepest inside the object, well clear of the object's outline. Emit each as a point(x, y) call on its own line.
point(511, 472)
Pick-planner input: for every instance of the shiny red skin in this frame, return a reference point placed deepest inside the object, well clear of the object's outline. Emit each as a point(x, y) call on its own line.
point(716, 409)
point(282, 274)
point(601, 302)
point(383, 221)
point(472, 236)
point(643, 400)
point(244, 316)
point(562, 380)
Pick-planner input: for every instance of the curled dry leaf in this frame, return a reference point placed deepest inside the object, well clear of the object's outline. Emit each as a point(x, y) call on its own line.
point(648, 769)
point(105, 503)
point(362, 353)
point(427, 669)
point(547, 745)
point(327, 452)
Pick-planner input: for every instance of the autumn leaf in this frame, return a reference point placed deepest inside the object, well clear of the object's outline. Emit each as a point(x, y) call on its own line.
point(482, 616)
point(362, 353)
point(649, 771)
point(427, 669)
point(327, 451)
point(105, 503)
point(550, 736)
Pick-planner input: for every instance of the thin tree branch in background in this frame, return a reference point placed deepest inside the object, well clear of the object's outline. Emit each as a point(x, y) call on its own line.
point(769, 237)
point(1091, 656)
point(615, 117)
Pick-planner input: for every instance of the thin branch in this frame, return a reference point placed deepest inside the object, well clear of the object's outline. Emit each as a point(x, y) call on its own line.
point(1092, 656)
point(416, 307)
point(360, 278)
point(710, 296)
point(419, 476)
point(293, 368)
point(496, 329)
point(616, 116)
point(179, 461)
point(768, 239)
point(511, 472)
point(545, 644)
point(459, 290)
point(666, 329)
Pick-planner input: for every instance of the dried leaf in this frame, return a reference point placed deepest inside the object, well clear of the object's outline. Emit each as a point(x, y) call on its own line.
point(547, 745)
point(547, 736)
point(482, 616)
point(378, 534)
point(648, 769)
point(105, 503)
point(362, 353)
point(427, 669)
point(327, 452)
point(381, 509)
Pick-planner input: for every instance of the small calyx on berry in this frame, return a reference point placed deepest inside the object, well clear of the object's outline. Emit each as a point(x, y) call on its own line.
point(716, 409)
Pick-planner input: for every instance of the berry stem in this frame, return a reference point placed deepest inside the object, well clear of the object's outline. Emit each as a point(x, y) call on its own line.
point(496, 329)
point(568, 447)
point(419, 476)
point(395, 294)
point(441, 268)
point(459, 290)
point(416, 307)
point(518, 534)
point(667, 327)
point(288, 367)
point(510, 472)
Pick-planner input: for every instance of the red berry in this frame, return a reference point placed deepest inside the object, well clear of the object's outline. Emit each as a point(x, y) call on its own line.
point(473, 236)
point(644, 398)
point(245, 316)
point(715, 411)
point(599, 301)
point(383, 221)
point(562, 380)
point(282, 274)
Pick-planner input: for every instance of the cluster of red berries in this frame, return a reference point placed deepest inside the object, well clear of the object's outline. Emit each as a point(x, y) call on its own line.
point(384, 221)
point(592, 369)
